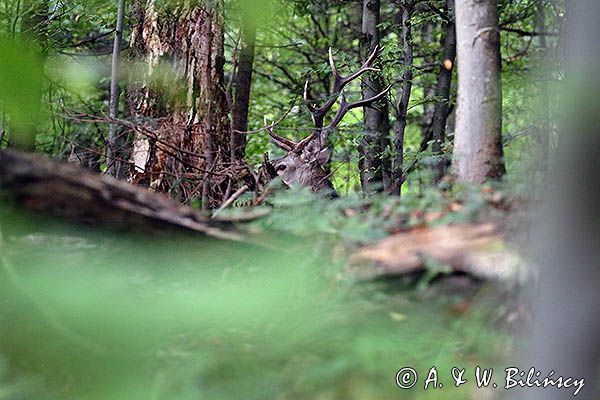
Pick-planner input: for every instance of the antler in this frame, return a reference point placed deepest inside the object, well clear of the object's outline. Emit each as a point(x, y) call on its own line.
point(318, 113)
point(280, 141)
point(345, 106)
point(339, 82)
point(339, 115)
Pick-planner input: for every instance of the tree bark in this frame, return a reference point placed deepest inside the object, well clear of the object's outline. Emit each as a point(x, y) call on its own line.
point(180, 97)
point(374, 141)
point(567, 291)
point(243, 85)
point(428, 86)
point(403, 97)
point(478, 138)
point(113, 144)
point(444, 84)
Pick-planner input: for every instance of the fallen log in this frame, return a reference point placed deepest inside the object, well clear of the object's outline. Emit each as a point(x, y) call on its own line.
point(475, 249)
point(68, 191)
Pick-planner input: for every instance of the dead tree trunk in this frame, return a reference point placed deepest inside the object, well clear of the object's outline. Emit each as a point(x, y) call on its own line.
point(478, 138)
point(375, 140)
point(180, 99)
point(444, 84)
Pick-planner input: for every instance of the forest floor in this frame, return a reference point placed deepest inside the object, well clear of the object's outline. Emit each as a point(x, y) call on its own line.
point(321, 299)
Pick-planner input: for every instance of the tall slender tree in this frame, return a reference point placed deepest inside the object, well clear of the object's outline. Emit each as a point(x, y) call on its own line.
point(478, 138)
point(426, 34)
point(243, 84)
point(373, 171)
point(404, 19)
point(443, 90)
point(113, 143)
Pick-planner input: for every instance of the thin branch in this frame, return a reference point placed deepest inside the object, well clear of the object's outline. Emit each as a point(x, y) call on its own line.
point(92, 39)
point(522, 32)
point(230, 200)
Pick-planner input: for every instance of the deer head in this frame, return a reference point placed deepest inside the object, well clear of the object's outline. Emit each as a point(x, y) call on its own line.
point(305, 160)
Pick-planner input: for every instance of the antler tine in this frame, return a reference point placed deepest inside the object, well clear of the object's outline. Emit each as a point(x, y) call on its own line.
point(339, 115)
point(341, 81)
point(311, 107)
point(345, 106)
point(367, 66)
point(334, 70)
point(304, 142)
point(280, 141)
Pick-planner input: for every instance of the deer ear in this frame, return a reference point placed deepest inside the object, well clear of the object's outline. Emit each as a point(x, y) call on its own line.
point(323, 156)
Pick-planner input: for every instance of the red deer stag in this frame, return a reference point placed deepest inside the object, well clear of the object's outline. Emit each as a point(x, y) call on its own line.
point(304, 162)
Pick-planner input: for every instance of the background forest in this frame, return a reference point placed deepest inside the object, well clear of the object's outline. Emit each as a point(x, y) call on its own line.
point(261, 56)
point(362, 173)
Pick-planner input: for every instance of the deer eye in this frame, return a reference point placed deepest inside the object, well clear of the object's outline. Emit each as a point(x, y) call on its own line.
point(281, 168)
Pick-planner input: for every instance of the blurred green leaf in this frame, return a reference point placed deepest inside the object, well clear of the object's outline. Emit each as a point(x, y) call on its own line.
point(21, 80)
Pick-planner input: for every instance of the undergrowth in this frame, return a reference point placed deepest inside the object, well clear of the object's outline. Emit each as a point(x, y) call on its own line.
point(92, 314)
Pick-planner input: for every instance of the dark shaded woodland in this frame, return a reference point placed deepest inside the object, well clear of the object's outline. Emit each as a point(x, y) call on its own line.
point(297, 199)
point(196, 88)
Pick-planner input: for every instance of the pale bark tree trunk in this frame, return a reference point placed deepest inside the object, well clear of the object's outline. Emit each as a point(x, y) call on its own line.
point(375, 140)
point(180, 45)
point(113, 144)
point(243, 85)
point(478, 137)
point(444, 84)
point(403, 96)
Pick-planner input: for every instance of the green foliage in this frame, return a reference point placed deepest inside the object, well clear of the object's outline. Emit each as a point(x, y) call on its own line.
point(257, 14)
point(21, 79)
point(94, 315)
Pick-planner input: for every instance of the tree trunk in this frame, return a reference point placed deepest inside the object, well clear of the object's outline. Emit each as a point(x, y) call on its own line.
point(243, 84)
point(180, 98)
point(444, 84)
point(113, 144)
point(427, 85)
point(403, 97)
point(567, 291)
point(478, 138)
point(372, 146)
